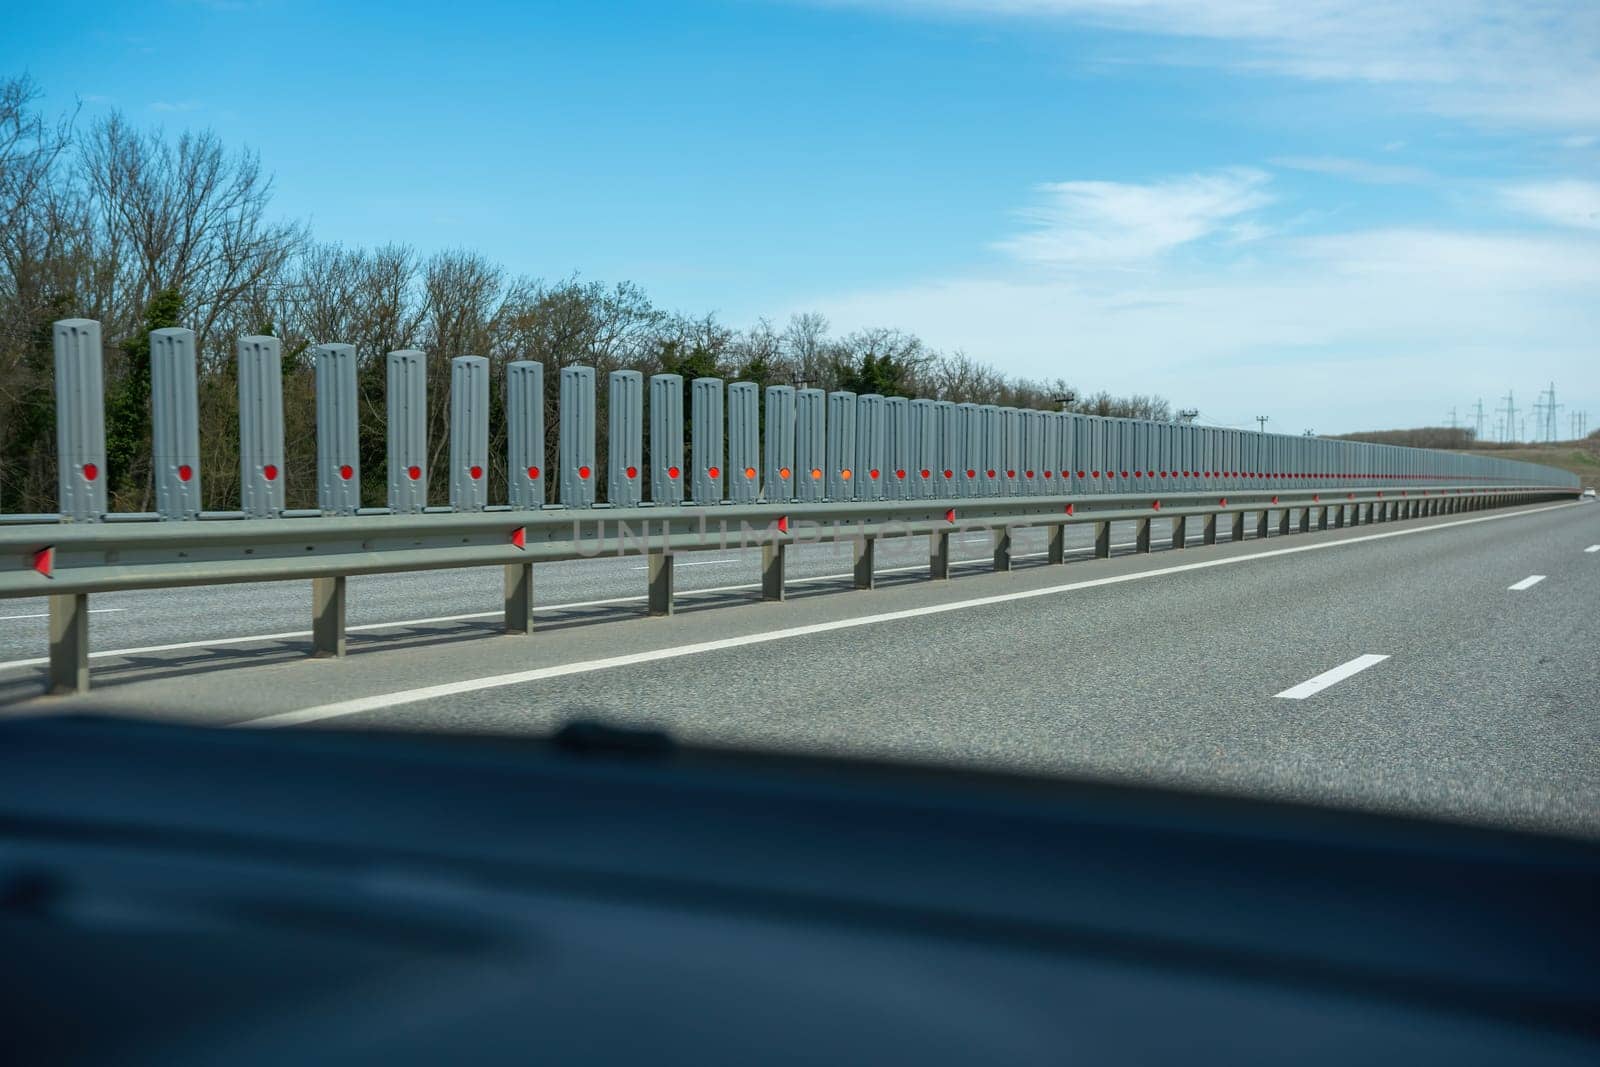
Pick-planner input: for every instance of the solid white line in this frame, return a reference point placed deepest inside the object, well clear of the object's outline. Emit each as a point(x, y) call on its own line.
point(386, 701)
point(1312, 686)
point(695, 563)
point(46, 614)
point(1527, 583)
point(1593, 548)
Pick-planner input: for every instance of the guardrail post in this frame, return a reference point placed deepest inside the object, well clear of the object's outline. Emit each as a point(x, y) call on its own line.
point(1180, 532)
point(1322, 517)
point(1056, 548)
point(939, 554)
point(1238, 526)
point(174, 423)
point(1355, 514)
point(1262, 523)
point(1283, 523)
point(69, 643)
point(1141, 536)
point(1305, 520)
point(1002, 548)
point(866, 550)
point(406, 377)
point(659, 601)
point(1369, 514)
point(1208, 533)
point(519, 598)
point(327, 617)
point(773, 557)
point(80, 420)
point(261, 466)
point(1102, 539)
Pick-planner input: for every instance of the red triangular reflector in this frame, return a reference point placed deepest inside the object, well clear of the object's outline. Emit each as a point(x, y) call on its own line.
point(44, 561)
point(519, 537)
point(950, 516)
point(1155, 505)
point(1069, 509)
point(783, 524)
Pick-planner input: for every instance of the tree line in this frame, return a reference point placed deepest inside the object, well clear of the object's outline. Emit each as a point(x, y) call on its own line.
point(142, 230)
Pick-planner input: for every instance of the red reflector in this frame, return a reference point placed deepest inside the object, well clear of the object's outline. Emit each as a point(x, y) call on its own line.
point(533, 472)
point(1222, 503)
point(185, 472)
point(971, 473)
point(476, 472)
point(749, 473)
point(783, 524)
point(1027, 474)
point(1316, 497)
point(816, 474)
point(950, 516)
point(519, 537)
point(1011, 474)
point(1124, 474)
point(783, 472)
point(1096, 474)
point(90, 472)
point(1080, 474)
point(673, 472)
point(1069, 509)
point(990, 473)
point(1155, 505)
point(873, 473)
point(1136, 474)
point(632, 472)
point(949, 474)
point(714, 472)
point(900, 474)
point(583, 472)
point(347, 472)
point(1046, 473)
point(926, 473)
point(1163, 474)
point(44, 561)
point(270, 472)
point(1274, 500)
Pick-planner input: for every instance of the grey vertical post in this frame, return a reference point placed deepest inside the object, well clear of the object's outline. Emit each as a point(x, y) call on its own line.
point(1102, 540)
point(69, 643)
point(1338, 516)
point(992, 472)
point(327, 616)
point(469, 433)
point(810, 445)
point(939, 554)
point(1283, 523)
point(525, 434)
point(705, 407)
point(338, 430)
point(261, 474)
point(1180, 532)
point(1056, 547)
point(744, 437)
point(970, 417)
point(575, 441)
point(1209, 532)
point(950, 471)
point(666, 439)
point(1322, 517)
point(924, 448)
point(841, 449)
point(1002, 548)
point(779, 433)
point(1262, 522)
point(1050, 462)
point(866, 552)
point(773, 558)
point(406, 374)
point(1237, 533)
point(175, 423)
point(870, 454)
point(1141, 537)
point(625, 439)
point(897, 448)
point(1011, 454)
point(659, 599)
point(1305, 519)
point(519, 598)
point(80, 420)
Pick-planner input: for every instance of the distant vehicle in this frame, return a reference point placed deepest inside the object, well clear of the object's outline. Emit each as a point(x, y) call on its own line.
point(1588, 494)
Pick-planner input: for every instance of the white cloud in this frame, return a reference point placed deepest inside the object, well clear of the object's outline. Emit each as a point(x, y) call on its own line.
point(1351, 331)
point(1088, 223)
point(1504, 60)
point(1355, 169)
point(1567, 202)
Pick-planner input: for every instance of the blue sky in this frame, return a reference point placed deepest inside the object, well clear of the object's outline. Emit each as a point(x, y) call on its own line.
point(1340, 213)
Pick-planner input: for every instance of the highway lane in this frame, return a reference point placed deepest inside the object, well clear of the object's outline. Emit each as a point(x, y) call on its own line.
point(1152, 668)
point(603, 587)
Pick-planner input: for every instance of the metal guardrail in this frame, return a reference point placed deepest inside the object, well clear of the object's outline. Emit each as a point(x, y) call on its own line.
point(68, 562)
point(770, 469)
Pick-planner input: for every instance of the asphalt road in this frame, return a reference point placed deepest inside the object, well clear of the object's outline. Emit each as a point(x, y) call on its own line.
point(1450, 692)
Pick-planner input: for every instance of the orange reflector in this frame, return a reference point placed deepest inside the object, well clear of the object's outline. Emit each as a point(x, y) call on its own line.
point(750, 472)
point(816, 474)
point(845, 474)
point(783, 472)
